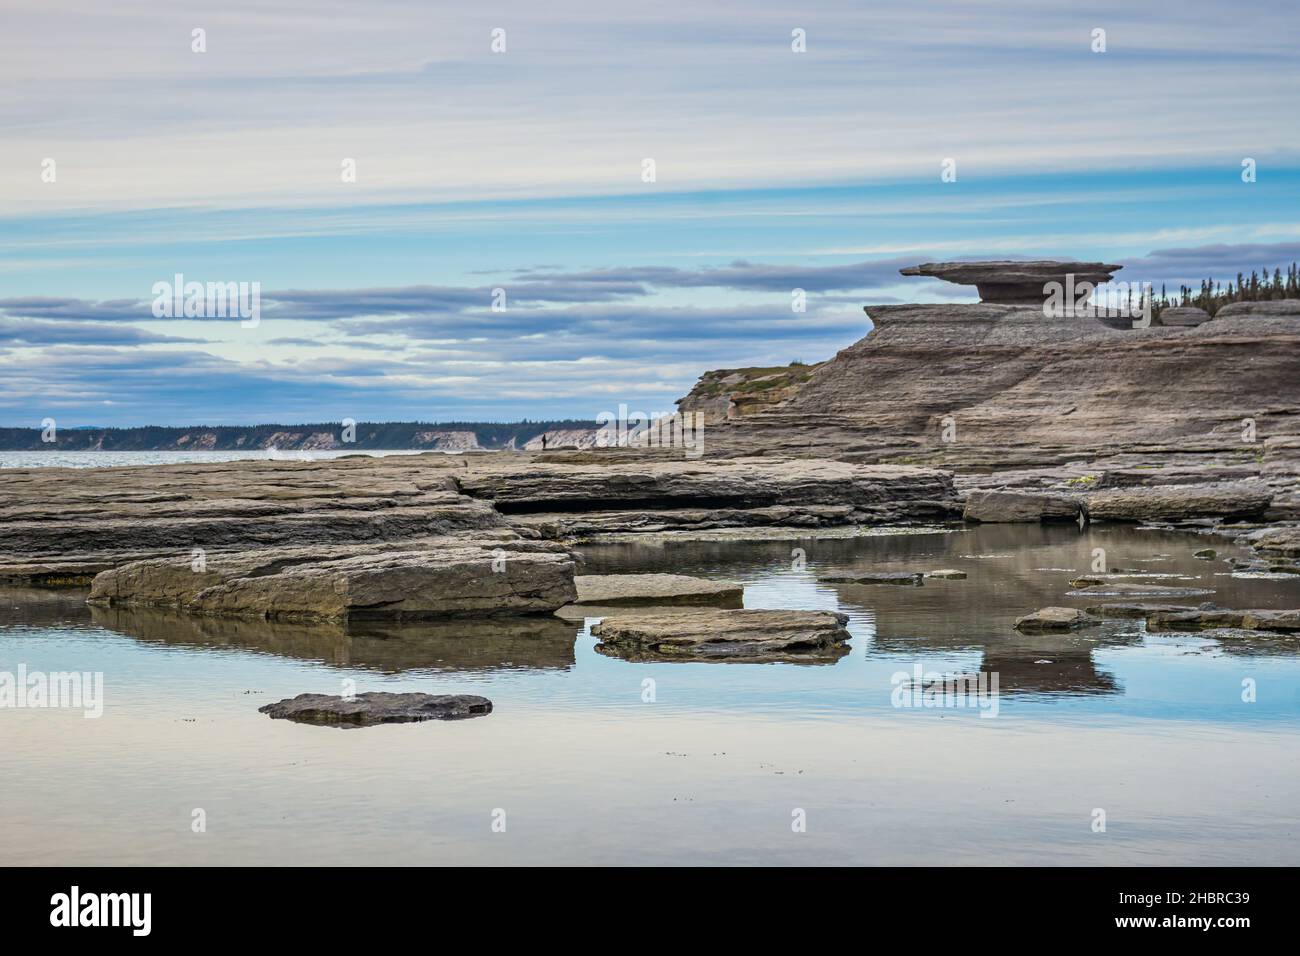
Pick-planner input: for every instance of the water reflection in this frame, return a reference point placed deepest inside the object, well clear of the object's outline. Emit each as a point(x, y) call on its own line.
point(529, 643)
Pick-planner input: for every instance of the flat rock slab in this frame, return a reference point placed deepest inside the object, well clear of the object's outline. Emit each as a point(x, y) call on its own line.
point(1011, 281)
point(1055, 619)
point(710, 634)
point(1120, 588)
point(1020, 506)
point(905, 578)
point(1181, 502)
point(450, 579)
point(1215, 618)
point(616, 590)
point(365, 710)
point(947, 574)
point(592, 482)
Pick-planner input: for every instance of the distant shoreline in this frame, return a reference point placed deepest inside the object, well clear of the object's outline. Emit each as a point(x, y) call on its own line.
point(324, 436)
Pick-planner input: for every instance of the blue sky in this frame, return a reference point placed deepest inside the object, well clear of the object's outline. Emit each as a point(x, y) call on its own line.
point(522, 170)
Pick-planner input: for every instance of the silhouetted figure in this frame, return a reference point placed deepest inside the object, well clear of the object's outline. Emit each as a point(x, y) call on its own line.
point(543, 441)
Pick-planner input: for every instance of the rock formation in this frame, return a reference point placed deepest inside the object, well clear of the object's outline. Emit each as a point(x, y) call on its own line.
point(619, 590)
point(725, 635)
point(1008, 282)
point(365, 710)
point(448, 578)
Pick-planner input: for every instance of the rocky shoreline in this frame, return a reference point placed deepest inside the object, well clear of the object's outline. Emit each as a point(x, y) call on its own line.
point(987, 413)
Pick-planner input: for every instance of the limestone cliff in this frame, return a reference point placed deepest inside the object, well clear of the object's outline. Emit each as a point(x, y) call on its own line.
point(1002, 385)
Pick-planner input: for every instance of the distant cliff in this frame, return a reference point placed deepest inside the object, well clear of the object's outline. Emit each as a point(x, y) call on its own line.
point(446, 436)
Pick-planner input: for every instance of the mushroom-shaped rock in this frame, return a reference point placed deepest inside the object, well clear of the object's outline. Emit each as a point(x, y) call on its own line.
point(1008, 282)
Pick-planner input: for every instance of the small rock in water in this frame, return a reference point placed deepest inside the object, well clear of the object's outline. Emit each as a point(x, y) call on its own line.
point(947, 573)
point(1096, 588)
point(364, 710)
point(912, 578)
point(1055, 619)
point(1207, 554)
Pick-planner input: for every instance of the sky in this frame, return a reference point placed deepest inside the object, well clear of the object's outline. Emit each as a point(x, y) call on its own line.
point(134, 149)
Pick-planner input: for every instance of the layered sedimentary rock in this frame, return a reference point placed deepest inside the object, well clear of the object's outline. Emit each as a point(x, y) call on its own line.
point(1010, 282)
point(1019, 506)
point(63, 525)
point(725, 635)
point(443, 579)
point(594, 483)
point(1180, 502)
point(993, 387)
point(615, 590)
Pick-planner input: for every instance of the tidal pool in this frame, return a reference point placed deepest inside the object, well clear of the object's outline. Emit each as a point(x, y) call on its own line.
point(1186, 744)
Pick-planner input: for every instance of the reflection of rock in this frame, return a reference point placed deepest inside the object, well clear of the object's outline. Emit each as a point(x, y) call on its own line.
point(1014, 506)
point(725, 635)
point(365, 710)
point(533, 642)
point(1015, 282)
point(447, 579)
point(1055, 619)
point(614, 590)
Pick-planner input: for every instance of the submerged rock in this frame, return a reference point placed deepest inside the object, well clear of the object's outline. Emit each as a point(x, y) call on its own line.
point(1194, 619)
point(1137, 611)
point(1055, 619)
point(1017, 506)
point(906, 578)
point(1209, 617)
point(755, 636)
point(364, 710)
point(614, 590)
point(1085, 588)
point(1206, 554)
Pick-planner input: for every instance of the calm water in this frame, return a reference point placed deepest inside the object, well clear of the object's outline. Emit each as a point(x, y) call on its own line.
point(1150, 728)
point(113, 459)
